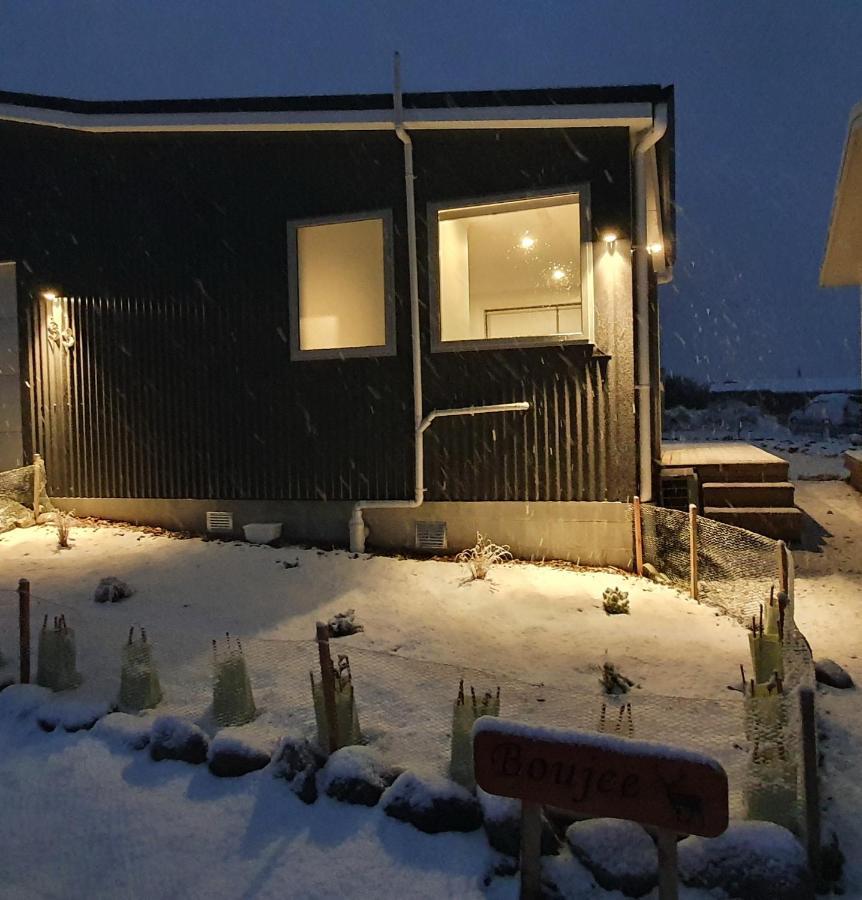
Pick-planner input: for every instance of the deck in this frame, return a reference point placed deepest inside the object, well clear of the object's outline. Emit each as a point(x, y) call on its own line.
point(715, 453)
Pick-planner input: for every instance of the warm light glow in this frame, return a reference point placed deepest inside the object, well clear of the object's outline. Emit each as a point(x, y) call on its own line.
point(558, 274)
point(527, 242)
point(609, 237)
point(655, 248)
point(49, 295)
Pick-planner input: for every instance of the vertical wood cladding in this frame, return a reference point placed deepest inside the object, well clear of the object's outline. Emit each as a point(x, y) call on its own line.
point(171, 252)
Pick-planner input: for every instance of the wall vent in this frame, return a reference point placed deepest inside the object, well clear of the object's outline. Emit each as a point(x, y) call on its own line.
point(219, 521)
point(431, 536)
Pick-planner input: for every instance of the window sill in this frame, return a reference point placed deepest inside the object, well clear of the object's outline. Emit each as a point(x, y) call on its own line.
point(510, 343)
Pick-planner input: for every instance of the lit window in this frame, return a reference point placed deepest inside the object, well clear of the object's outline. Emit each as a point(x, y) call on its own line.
point(511, 272)
point(341, 302)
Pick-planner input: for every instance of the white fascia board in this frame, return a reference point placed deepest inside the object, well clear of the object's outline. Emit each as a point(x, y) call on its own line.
point(623, 115)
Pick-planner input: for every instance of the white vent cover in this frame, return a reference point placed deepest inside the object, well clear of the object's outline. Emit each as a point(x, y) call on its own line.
point(431, 536)
point(219, 521)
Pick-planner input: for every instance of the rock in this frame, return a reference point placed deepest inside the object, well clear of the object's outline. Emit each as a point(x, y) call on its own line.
point(69, 714)
point(112, 590)
point(356, 775)
point(750, 861)
point(344, 624)
point(620, 855)
point(651, 572)
point(856, 440)
point(175, 738)
point(432, 804)
point(125, 729)
point(22, 701)
point(237, 751)
point(502, 820)
point(828, 671)
point(298, 761)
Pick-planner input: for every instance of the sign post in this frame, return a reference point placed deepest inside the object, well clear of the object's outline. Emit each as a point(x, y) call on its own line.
point(672, 791)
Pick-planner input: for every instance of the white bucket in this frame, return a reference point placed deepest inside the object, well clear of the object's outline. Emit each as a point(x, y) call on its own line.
point(262, 532)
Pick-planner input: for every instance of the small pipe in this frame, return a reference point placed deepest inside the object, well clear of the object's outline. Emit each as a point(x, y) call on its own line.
point(642, 387)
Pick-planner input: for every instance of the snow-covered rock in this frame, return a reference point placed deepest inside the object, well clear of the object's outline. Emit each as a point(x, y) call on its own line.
point(238, 751)
point(125, 730)
point(432, 804)
point(828, 672)
point(175, 738)
point(69, 714)
point(750, 861)
point(356, 775)
point(20, 701)
point(502, 820)
point(620, 855)
point(297, 761)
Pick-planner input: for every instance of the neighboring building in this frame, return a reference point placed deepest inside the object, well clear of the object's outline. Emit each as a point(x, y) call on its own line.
point(250, 306)
point(842, 265)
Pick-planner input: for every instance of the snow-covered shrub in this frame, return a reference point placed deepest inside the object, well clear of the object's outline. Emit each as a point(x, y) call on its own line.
point(613, 681)
point(464, 714)
point(139, 680)
point(432, 804)
point(57, 656)
point(63, 524)
point(297, 761)
point(482, 556)
point(344, 624)
point(237, 751)
point(112, 590)
point(233, 701)
point(615, 602)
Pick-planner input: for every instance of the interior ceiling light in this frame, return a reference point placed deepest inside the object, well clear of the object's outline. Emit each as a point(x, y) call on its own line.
point(49, 295)
point(527, 242)
point(558, 274)
point(609, 237)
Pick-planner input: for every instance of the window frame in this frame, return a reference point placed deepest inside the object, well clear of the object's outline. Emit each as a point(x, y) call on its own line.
point(511, 343)
point(388, 347)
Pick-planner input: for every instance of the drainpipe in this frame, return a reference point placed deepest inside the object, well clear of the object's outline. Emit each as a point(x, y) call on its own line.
point(357, 527)
point(644, 143)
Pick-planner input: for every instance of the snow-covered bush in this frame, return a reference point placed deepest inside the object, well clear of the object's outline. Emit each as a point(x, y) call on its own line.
point(615, 602)
point(112, 590)
point(482, 556)
point(63, 524)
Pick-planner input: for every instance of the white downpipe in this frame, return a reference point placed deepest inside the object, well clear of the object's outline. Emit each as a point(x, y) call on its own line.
point(644, 143)
point(357, 527)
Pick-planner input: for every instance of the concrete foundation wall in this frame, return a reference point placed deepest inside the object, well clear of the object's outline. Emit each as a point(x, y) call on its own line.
point(591, 533)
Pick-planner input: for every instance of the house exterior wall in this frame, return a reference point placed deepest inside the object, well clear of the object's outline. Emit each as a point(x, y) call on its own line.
point(171, 250)
point(11, 443)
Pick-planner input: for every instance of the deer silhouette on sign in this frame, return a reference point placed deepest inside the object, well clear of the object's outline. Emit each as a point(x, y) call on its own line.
point(688, 808)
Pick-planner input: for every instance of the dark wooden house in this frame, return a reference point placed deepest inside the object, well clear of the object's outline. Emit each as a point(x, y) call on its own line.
point(422, 315)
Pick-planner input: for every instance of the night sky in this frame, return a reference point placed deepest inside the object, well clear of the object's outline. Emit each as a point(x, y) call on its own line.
point(764, 91)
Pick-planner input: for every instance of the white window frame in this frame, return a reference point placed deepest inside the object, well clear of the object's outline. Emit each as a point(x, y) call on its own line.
point(388, 348)
point(587, 303)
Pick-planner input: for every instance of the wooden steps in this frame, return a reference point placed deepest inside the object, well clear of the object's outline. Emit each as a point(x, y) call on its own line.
point(747, 493)
point(781, 523)
point(853, 464)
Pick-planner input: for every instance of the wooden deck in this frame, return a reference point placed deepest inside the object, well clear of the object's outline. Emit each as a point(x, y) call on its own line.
point(715, 453)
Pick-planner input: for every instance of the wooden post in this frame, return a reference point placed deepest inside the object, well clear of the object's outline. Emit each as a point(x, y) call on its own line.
point(692, 532)
point(37, 486)
point(531, 851)
point(783, 568)
point(637, 517)
point(668, 879)
point(809, 774)
point(327, 681)
point(24, 630)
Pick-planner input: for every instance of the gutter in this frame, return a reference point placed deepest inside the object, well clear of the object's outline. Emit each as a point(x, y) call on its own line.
point(357, 528)
point(645, 142)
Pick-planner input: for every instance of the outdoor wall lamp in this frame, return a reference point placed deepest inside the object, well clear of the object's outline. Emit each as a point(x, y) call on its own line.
point(655, 248)
point(58, 332)
point(610, 239)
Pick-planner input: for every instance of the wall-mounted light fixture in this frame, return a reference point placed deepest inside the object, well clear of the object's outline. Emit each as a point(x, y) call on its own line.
point(610, 239)
point(57, 329)
point(655, 248)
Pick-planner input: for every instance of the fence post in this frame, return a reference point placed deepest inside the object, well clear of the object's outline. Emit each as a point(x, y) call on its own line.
point(637, 521)
point(692, 542)
point(327, 682)
point(531, 851)
point(24, 631)
point(783, 568)
point(811, 787)
point(37, 486)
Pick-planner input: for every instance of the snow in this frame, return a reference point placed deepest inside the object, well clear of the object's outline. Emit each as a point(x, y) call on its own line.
point(620, 848)
point(348, 763)
point(174, 733)
point(20, 701)
point(125, 730)
point(420, 793)
point(246, 740)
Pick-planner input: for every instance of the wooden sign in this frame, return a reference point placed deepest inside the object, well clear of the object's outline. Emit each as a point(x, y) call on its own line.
point(601, 775)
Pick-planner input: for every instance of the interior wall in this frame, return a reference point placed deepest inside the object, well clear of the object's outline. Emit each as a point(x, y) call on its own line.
point(11, 444)
point(455, 319)
point(342, 293)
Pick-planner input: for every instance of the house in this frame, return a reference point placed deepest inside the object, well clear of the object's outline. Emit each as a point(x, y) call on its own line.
point(842, 265)
point(393, 318)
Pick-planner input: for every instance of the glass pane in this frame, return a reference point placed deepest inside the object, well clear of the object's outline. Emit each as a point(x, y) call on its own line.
point(511, 269)
point(342, 294)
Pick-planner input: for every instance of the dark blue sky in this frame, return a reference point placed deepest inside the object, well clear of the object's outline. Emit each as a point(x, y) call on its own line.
point(764, 90)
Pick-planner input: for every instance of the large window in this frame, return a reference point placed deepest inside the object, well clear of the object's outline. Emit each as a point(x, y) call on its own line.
point(512, 272)
point(341, 287)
